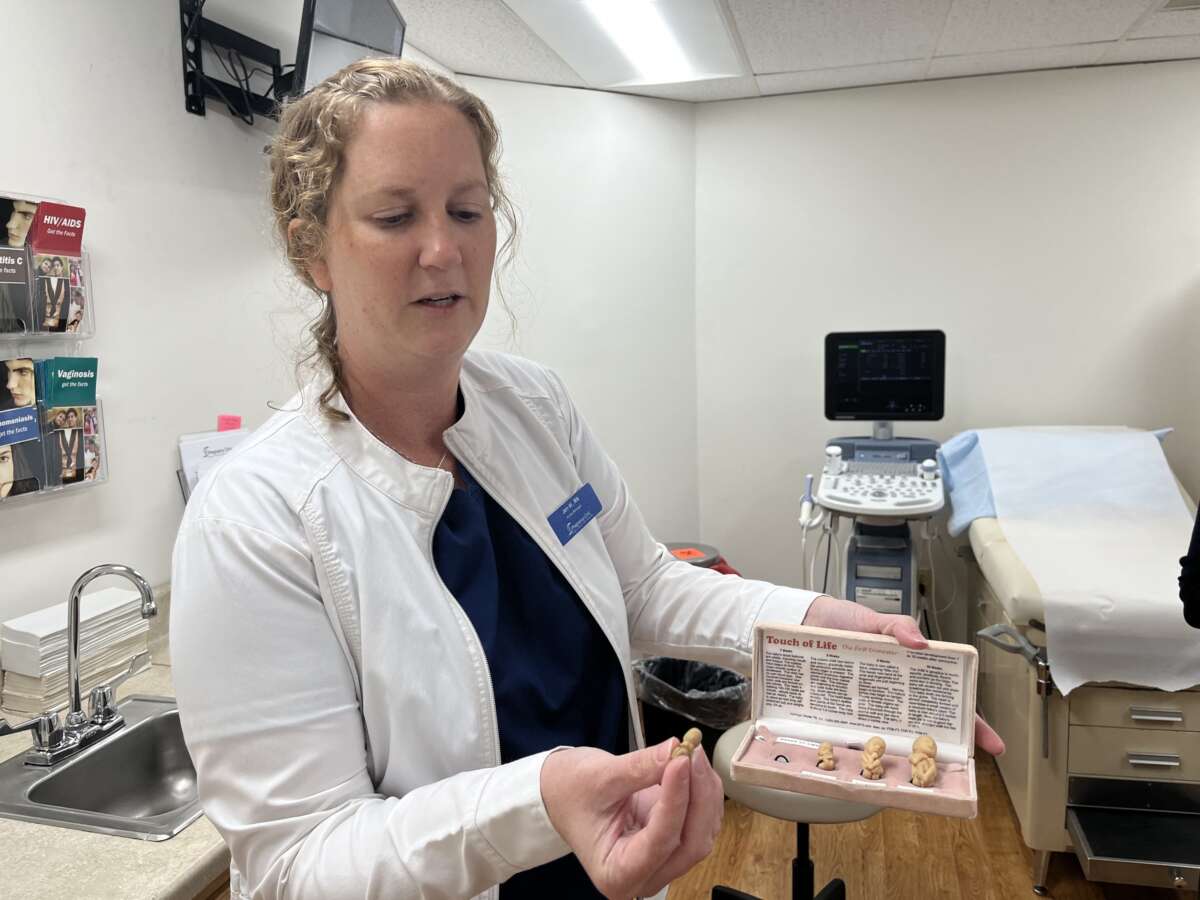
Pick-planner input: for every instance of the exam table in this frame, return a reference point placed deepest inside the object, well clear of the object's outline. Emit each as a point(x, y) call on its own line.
point(1110, 771)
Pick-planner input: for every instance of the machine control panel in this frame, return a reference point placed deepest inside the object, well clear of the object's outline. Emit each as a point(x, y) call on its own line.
point(881, 489)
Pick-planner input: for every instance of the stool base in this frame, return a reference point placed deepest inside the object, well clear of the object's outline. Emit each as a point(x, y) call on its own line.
point(802, 877)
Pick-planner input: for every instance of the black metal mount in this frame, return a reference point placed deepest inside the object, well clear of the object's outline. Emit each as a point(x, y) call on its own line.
point(196, 31)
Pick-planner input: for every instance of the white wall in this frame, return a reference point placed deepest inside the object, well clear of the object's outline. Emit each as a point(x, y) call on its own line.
point(1047, 218)
point(603, 290)
point(184, 273)
point(195, 314)
point(1048, 222)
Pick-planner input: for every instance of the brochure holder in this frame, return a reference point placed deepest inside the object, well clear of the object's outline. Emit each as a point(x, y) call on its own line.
point(52, 438)
point(60, 460)
point(45, 299)
point(818, 685)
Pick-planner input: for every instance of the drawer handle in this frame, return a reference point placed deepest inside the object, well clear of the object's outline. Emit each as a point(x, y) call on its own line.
point(1150, 714)
point(1166, 760)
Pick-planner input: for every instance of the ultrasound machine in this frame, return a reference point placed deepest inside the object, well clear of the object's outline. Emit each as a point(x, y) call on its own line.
point(884, 484)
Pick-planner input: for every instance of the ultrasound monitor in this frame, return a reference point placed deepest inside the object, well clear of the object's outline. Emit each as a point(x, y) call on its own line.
point(885, 375)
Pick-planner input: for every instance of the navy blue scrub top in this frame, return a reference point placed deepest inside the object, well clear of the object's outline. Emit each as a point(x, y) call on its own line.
point(556, 678)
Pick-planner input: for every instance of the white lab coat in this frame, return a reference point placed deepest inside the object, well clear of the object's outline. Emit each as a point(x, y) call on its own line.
point(334, 696)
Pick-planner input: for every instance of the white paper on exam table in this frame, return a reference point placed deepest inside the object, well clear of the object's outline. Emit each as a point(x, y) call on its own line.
point(1097, 519)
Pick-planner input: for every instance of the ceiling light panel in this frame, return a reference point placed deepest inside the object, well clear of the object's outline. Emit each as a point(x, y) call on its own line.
point(624, 43)
point(980, 26)
point(1154, 49)
point(1170, 24)
point(800, 35)
point(845, 76)
point(1016, 60)
point(481, 37)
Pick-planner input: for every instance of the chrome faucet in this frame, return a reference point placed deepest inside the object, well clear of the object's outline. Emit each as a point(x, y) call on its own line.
point(52, 742)
point(75, 716)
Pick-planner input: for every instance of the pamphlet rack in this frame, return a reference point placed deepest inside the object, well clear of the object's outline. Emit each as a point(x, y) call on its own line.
point(68, 449)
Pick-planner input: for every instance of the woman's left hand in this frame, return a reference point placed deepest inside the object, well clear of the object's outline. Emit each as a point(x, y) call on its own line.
point(829, 612)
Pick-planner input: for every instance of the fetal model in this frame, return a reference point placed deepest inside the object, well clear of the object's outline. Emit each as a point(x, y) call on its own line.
point(924, 761)
point(691, 740)
point(872, 758)
point(825, 756)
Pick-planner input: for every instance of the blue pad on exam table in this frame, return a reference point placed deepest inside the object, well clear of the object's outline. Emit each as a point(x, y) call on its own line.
point(965, 477)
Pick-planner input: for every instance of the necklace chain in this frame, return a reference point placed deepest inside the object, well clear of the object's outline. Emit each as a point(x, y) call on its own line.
point(415, 463)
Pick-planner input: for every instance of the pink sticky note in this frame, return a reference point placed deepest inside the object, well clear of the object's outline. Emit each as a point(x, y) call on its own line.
point(229, 423)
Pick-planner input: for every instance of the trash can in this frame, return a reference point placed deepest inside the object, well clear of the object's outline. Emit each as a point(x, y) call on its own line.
point(678, 694)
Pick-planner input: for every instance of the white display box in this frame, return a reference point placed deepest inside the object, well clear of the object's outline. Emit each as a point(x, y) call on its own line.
point(816, 684)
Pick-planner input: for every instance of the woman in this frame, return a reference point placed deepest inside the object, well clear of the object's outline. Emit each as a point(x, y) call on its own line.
point(91, 460)
point(16, 477)
point(397, 601)
point(52, 289)
point(75, 310)
point(69, 451)
point(1189, 579)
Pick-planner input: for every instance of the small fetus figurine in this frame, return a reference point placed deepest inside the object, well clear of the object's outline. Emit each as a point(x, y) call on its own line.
point(691, 740)
point(825, 756)
point(924, 761)
point(872, 758)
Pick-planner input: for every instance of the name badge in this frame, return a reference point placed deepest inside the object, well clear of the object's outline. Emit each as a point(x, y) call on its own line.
point(568, 520)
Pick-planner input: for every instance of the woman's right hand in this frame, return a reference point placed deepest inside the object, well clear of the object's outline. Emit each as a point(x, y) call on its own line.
point(635, 821)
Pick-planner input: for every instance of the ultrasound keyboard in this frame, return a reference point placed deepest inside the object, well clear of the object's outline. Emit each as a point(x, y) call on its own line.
point(901, 490)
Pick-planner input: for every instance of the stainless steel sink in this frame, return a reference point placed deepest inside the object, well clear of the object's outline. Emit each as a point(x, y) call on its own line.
point(137, 782)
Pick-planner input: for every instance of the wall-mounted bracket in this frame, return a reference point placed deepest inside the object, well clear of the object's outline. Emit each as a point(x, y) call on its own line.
point(196, 31)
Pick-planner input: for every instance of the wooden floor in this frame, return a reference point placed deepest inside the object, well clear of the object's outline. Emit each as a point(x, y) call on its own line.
point(898, 855)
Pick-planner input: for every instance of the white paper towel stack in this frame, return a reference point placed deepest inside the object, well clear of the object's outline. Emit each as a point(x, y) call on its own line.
point(33, 650)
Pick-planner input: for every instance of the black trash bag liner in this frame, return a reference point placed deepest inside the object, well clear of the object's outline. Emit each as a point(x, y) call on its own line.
point(709, 695)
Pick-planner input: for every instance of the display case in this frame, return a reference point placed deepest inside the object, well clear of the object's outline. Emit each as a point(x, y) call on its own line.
point(815, 686)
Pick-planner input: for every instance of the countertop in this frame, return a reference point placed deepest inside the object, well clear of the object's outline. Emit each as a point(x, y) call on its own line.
point(49, 862)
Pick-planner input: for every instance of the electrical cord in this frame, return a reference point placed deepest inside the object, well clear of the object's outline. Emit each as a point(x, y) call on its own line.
point(811, 516)
point(812, 567)
point(248, 118)
point(828, 553)
point(199, 12)
point(826, 535)
point(932, 607)
point(230, 63)
point(233, 110)
point(843, 555)
point(953, 572)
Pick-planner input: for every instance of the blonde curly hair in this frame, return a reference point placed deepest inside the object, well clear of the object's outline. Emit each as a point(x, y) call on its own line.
point(306, 157)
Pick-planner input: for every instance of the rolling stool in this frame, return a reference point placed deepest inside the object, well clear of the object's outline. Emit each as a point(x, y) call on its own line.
point(803, 809)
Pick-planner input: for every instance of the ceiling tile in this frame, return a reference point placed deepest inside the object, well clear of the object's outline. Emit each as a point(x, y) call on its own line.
point(980, 26)
point(483, 37)
point(699, 91)
point(1169, 24)
point(798, 35)
point(846, 76)
point(1151, 49)
point(1016, 60)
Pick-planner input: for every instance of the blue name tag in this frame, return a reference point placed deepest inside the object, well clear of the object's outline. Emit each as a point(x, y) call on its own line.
point(568, 520)
point(20, 424)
